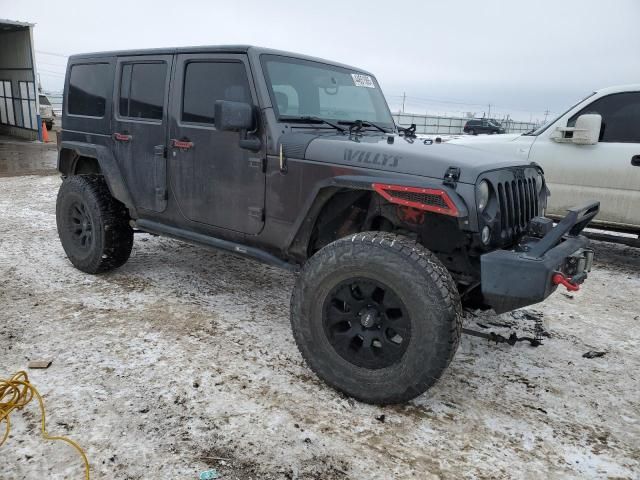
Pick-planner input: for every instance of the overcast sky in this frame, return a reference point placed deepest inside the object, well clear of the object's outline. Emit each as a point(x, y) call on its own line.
point(448, 56)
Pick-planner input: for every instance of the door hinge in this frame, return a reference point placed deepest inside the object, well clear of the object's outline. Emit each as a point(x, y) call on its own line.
point(260, 163)
point(451, 177)
point(160, 151)
point(257, 213)
point(161, 194)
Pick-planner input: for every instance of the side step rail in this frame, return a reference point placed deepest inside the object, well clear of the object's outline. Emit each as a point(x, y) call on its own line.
point(212, 242)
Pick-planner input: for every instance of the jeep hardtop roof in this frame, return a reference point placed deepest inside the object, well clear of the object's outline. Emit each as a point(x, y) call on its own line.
point(209, 49)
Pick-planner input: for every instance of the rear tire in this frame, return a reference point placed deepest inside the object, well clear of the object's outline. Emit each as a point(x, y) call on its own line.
point(49, 125)
point(376, 316)
point(92, 225)
point(472, 132)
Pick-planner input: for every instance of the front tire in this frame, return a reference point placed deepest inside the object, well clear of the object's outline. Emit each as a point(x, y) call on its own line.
point(92, 225)
point(376, 316)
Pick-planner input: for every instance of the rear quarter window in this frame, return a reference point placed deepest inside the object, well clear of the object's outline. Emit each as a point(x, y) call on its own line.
point(89, 85)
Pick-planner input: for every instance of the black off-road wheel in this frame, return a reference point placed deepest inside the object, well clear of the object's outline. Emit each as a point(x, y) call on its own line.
point(92, 225)
point(376, 316)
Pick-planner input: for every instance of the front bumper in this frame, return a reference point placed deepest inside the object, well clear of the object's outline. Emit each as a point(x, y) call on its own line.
point(523, 276)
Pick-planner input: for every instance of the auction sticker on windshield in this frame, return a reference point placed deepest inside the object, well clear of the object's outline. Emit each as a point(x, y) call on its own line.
point(360, 80)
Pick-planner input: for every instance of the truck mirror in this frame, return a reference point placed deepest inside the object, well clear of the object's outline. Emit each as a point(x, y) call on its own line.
point(585, 132)
point(587, 129)
point(233, 116)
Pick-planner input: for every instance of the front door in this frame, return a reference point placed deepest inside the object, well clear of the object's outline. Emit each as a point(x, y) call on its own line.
point(140, 127)
point(608, 171)
point(213, 180)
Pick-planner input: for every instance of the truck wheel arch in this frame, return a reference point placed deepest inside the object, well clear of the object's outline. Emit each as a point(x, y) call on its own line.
point(76, 158)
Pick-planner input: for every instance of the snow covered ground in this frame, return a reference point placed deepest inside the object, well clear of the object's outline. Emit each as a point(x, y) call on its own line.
point(182, 360)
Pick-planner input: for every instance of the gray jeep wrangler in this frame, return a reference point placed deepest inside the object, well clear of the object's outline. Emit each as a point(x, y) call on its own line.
point(297, 162)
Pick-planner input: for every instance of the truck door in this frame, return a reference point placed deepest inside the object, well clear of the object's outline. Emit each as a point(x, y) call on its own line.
point(608, 171)
point(140, 127)
point(213, 180)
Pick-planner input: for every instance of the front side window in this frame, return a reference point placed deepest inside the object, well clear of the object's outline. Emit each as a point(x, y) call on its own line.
point(620, 117)
point(142, 90)
point(301, 88)
point(207, 82)
point(88, 89)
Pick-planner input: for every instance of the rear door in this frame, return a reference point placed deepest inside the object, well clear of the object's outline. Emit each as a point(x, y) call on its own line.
point(608, 171)
point(140, 127)
point(213, 180)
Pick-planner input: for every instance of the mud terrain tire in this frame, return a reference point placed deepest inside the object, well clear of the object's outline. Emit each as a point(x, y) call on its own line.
point(396, 279)
point(93, 226)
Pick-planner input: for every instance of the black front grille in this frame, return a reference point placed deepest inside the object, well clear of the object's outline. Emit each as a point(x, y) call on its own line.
point(518, 203)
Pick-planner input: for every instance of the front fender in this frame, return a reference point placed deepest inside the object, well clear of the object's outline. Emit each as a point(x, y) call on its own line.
point(325, 189)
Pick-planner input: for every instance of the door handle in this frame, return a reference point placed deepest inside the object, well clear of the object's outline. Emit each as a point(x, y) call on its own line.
point(122, 137)
point(181, 144)
point(635, 160)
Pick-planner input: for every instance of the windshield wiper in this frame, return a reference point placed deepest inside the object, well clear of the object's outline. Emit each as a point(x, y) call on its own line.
point(408, 131)
point(359, 124)
point(309, 119)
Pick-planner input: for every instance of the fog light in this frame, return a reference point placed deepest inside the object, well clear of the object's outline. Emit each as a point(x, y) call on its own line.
point(486, 235)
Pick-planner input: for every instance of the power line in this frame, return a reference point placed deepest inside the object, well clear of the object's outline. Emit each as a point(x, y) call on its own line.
point(49, 72)
point(52, 53)
point(51, 64)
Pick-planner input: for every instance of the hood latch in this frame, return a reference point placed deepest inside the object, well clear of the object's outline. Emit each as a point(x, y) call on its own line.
point(451, 177)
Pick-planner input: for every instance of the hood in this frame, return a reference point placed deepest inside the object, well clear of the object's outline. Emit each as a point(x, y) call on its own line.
point(397, 154)
point(510, 144)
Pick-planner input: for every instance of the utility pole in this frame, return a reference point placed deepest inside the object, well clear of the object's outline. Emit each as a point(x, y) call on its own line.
point(404, 97)
point(489, 115)
point(546, 114)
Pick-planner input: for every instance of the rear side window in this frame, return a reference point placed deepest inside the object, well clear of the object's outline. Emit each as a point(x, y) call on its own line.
point(620, 117)
point(142, 90)
point(88, 89)
point(206, 82)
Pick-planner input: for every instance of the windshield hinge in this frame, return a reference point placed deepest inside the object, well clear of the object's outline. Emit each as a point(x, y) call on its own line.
point(451, 177)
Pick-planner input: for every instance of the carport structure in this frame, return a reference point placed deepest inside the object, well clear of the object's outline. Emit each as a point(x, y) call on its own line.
point(19, 106)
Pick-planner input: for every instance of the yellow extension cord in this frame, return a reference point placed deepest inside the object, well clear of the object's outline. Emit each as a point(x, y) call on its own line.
point(16, 393)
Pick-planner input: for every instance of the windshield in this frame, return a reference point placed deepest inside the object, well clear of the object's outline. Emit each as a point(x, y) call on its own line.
point(44, 100)
point(303, 88)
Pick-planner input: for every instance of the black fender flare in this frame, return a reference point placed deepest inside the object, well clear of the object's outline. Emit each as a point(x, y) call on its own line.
point(324, 191)
point(108, 166)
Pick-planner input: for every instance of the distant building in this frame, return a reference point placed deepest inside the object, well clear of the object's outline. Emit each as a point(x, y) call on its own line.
point(19, 106)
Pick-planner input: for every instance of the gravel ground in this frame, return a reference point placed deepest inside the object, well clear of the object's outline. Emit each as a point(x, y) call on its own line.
point(183, 360)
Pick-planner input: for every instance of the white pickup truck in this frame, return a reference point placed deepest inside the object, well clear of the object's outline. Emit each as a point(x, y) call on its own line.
point(590, 152)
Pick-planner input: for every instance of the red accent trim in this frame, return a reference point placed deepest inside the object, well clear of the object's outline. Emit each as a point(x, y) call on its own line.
point(560, 279)
point(384, 189)
point(121, 137)
point(181, 144)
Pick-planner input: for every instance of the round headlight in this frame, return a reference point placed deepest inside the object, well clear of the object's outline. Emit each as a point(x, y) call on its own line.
point(539, 182)
point(482, 195)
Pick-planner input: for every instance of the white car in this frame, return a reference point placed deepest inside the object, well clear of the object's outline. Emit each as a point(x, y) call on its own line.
point(46, 111)
point(590, 152)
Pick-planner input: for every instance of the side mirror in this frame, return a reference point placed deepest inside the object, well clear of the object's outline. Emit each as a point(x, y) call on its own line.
point(237, 117)
point(587, 129)
point(585, 132)
point(233, 116)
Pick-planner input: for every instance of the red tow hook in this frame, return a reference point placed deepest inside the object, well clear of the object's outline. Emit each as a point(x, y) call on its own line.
point(560, 279)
